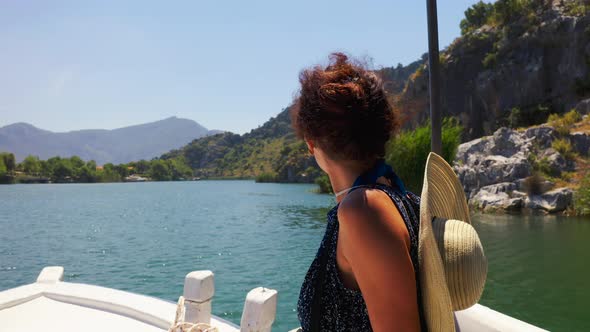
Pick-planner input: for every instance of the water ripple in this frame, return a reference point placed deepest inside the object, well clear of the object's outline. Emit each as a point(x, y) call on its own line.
point(146, 237)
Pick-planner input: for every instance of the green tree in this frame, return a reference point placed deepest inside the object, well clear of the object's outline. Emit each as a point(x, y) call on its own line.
point(5, 178)
point(63, 171)
point(77, 162)
point(323, 181)
point(108, 175)
point(91, 165)
point(45, 168)
point(122, 170)
point(50, 166)
point(87, 174)
point(142, 166)
point(31, 165)
point(506, 11)
point(108, 166)
point(266, 177)
point(160, 171)
point(476, 16)
point(408, 151)
point(9, 161)
point(514, 118)
point(3, 169)
point(179, 169)
point(582, 197)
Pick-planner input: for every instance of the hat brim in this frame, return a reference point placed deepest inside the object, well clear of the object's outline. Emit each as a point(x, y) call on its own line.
point(442, 197)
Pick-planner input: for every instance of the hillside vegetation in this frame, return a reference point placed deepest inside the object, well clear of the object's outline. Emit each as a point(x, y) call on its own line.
point(517, 62)
point(269, 153)
point(75, 170)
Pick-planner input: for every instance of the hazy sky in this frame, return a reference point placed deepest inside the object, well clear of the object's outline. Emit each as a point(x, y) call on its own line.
point(228, 65)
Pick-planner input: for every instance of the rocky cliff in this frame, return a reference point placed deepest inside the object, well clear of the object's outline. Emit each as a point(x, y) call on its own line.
point(513, 70)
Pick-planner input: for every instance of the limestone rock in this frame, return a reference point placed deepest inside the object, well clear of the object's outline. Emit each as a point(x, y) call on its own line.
point(513, 204)
point(580, 142)
point(557, 162)
point(487, 201)
point(494, 169)
point(506, 142)
point(553, 201)
point(583, 107)
point(495, 196)
point(471, 148)
point(543, 136)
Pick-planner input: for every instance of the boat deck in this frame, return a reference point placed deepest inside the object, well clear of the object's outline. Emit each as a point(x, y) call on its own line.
point(53, 305)
point(55, 315)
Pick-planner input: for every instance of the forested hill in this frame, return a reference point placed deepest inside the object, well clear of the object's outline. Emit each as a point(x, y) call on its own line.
point(270, 152)
point(515, 63)
point(270, 149)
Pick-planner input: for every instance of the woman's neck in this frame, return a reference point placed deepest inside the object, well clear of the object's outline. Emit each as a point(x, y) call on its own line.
point(343, 177)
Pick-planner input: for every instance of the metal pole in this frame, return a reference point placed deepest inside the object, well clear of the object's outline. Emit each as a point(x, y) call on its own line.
point(433, 66)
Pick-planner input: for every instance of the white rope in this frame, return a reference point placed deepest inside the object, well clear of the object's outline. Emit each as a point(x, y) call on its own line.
point(180, 325)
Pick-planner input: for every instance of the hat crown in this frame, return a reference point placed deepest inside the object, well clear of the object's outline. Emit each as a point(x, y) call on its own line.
point(464, 261)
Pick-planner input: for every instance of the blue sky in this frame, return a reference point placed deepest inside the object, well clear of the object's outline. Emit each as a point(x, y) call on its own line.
point(228, 65)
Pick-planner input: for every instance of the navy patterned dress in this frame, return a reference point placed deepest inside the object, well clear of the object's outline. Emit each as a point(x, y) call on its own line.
point(344, 309)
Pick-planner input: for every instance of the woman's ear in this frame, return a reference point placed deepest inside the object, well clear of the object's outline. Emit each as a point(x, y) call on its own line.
point(310, 146)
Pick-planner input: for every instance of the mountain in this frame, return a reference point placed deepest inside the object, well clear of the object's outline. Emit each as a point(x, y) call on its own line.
point(144, 141)
point(515, 63)
point(271, 150)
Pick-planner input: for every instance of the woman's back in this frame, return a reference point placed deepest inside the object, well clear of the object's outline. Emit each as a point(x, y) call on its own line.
point(324, 294)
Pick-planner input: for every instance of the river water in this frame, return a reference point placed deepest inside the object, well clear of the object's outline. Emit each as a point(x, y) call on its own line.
point(145, 237)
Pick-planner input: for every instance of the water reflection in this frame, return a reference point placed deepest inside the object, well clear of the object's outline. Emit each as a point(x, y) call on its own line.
point(537, 268)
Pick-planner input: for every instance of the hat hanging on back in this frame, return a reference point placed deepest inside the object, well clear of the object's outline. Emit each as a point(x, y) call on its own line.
point(452, 263)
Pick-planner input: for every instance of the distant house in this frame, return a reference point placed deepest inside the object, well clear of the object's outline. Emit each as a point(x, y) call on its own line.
point(99, 168)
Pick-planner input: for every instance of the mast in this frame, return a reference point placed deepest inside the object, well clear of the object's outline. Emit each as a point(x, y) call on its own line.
point(433, 67)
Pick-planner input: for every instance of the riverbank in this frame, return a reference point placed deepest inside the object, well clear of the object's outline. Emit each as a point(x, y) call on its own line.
point(130, 179)
point(75, 170)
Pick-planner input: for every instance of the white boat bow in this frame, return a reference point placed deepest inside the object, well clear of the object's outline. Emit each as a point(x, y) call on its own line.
point(51, 304)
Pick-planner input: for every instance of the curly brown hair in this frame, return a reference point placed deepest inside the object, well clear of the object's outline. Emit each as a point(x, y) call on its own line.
point(344, 110)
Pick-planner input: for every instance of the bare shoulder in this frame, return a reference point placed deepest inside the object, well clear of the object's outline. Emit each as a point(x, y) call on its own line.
point(370, 212)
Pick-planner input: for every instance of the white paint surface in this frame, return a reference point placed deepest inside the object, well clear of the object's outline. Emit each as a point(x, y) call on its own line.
point(259, 310)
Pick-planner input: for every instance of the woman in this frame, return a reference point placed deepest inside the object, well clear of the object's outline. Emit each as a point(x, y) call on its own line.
point(365, 273)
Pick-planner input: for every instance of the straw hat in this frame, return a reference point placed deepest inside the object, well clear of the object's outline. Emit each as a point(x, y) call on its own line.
point(452, 263)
